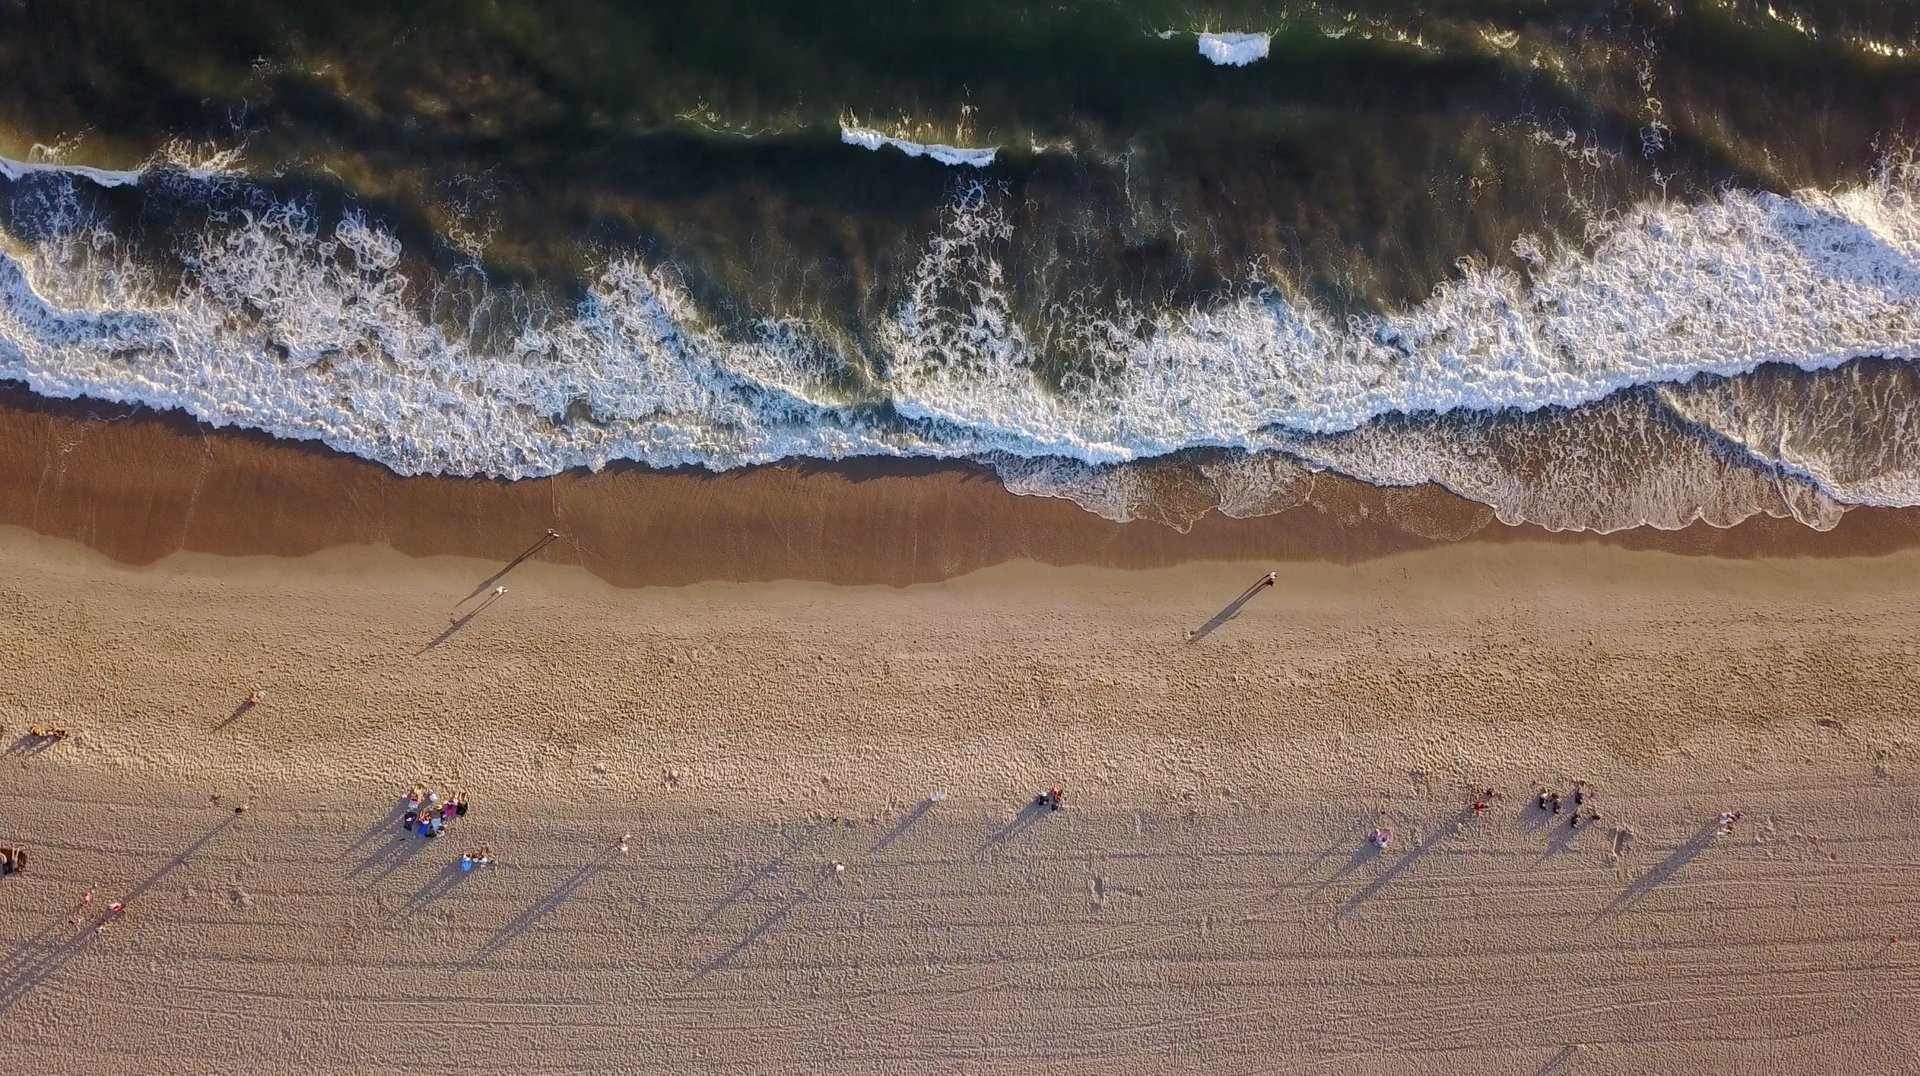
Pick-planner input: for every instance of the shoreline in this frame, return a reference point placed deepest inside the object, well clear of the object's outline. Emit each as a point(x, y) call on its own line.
point(138, 485)
point(1208, 900)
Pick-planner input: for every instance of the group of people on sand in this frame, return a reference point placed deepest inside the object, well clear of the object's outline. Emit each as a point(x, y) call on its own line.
point(46, 733)
point(1547, 801)
point(12, 861)
point(427, 814)
point(1551, 801)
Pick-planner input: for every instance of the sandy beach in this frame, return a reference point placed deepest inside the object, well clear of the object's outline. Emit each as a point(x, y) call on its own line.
point(1209, 900)
point(917, 539)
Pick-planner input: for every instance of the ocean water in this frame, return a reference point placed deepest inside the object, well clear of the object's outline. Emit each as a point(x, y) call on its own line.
point(1596, 266)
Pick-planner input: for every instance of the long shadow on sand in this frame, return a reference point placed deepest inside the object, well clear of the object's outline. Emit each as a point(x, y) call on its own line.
point(486, 584)
point(1644, 885)
point(762, 929)
point(40, 957)
point(901, 827)
point(1232, 610)
point(399, 847)
point(1030, 814)
point(541, 908)
point(773, 867)
point(439, 885)
point(29, 745)
point(240, 711)
point(1558, 1062)
point(1440, 832)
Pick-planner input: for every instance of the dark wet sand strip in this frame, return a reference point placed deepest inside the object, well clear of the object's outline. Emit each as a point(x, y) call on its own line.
point(138, 485)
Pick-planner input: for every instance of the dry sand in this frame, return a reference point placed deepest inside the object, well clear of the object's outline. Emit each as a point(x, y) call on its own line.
point(1207, 902)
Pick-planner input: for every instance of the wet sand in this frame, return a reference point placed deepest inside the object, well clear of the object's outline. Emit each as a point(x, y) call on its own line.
point(137, 486)
point(1208, 901)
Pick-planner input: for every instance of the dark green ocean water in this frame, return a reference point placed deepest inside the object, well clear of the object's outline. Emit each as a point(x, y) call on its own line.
point(1379, 150)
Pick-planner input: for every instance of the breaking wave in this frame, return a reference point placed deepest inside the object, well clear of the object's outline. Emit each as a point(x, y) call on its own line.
point(1604, 383)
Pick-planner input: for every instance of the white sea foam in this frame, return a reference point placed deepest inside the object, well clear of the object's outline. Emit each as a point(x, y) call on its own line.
point(304, 330)
point(192, 162)
point(976, 157)
point(1235, 50)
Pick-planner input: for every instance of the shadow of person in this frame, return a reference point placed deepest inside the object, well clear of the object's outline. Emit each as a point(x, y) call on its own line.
point(901, 827)
point(1031, 813)
point(449, 879)
point(486, 584)
point(773, 867)
point(1644, 885)
point(240, 711)
point(402, 844)
point(541, 908)
point(30, 744)
point(1232, 610)
point(40, 957)
point(762, 929)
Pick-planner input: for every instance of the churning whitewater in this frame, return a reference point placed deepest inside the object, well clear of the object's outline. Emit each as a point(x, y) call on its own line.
point(276, 321)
